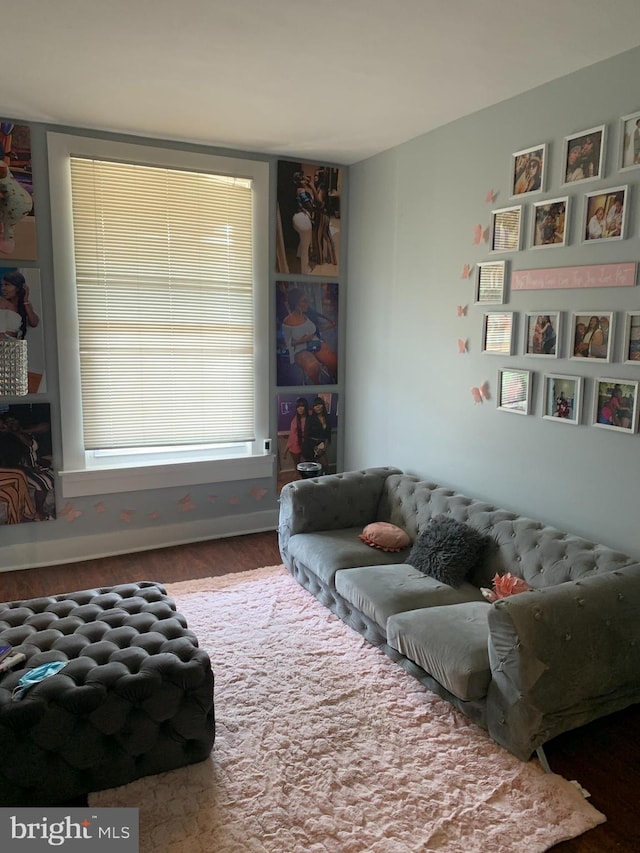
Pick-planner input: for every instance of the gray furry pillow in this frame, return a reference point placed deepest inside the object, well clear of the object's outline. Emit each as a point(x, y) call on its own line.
point(448, 550)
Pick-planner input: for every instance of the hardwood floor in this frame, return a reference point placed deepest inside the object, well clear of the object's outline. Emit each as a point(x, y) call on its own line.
point(166, 565)
point(604, 757)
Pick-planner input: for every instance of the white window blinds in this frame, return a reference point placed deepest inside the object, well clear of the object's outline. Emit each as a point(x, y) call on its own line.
point(165, 300)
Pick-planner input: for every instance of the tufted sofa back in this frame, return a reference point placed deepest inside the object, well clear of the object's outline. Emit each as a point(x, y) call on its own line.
point(542, 555)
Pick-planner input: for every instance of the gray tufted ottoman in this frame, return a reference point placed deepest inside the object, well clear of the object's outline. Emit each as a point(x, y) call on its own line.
point(135, 698)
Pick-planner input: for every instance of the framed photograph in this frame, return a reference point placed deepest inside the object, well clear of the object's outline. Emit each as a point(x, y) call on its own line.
point(562, 401)
point(615, 405)
point(497, 333)
point(632, 338)
point(583, 155)
point(591, 335)
point(490, 282)
point(604, 215)
point(528, 170)
point(630, 141)
point(309, 220)
point(18, 240)
point(514, 391)
point(549, 223)
point(505, 229)
point(310, 358)
point(541, 334)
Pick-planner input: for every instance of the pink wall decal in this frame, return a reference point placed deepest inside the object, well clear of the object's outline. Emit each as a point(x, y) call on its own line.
point(599, 275)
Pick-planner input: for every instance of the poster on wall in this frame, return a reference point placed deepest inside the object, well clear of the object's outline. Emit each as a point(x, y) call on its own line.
point(308, 219)
point(17, 220)
point(27, 491)
point(307, 432)
point(20, 317)
point(307, 333)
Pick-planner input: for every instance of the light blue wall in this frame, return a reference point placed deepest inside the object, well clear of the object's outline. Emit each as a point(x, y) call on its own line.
point(407, 395)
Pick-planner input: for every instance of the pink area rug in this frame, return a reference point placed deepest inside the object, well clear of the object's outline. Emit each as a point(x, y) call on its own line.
point(324, 745)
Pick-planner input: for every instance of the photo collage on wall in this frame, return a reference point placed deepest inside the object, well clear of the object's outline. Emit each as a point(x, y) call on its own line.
point(27, 492)
point(593, 216)
point(308, 229)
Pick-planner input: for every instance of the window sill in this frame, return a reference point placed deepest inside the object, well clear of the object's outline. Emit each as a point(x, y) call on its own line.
point(109, 480)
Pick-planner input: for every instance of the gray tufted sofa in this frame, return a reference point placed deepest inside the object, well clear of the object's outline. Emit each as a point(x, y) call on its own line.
point(135, 698)
point(526, 668)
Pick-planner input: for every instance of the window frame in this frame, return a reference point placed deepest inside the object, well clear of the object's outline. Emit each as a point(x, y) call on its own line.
point(81, 473)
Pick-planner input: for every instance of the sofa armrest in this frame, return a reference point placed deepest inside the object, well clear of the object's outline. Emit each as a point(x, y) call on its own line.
point(563, 655)
point(331, 503)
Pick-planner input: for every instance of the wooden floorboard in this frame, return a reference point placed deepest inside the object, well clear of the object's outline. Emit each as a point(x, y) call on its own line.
point(604, 757)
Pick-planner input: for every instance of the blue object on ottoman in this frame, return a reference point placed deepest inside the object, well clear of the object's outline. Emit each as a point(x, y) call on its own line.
point(134, 698)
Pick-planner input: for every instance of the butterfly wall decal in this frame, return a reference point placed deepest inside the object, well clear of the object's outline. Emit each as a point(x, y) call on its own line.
point(481, 392)
point(462, 345)
point(70, 513)
point(480, 235)
point(466, 271)
point(185, 504)
point(490, 196)
point(462, 310)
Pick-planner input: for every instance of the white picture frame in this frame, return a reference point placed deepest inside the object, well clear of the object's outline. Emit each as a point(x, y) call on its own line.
point(629, 146)
point(562, 398)
point(490, 282)
point(514, 390)
point(583, 156)
point(549, 223)
point(542, 334)
point(626, 409)
point(605, 215)
point(584, 342)
point(631, 352)
point(506, 229)
point(528, 168)
point(498, 332)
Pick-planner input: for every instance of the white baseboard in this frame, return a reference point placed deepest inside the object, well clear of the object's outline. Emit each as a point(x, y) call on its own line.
point(32, 555)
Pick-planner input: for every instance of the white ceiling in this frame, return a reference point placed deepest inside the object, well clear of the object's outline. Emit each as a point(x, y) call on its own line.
point(332, 80)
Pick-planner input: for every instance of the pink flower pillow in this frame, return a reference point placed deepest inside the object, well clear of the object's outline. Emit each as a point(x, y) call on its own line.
point(385, 536)
point(504, 586)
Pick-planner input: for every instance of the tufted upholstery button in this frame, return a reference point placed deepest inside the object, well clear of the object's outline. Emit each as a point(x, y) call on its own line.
point(135, 696)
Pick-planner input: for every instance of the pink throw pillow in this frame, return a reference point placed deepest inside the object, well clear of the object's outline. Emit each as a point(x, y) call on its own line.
point(385, 536)
point(504, 586)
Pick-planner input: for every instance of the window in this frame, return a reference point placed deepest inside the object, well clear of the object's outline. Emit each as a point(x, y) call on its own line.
point(160, 275)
